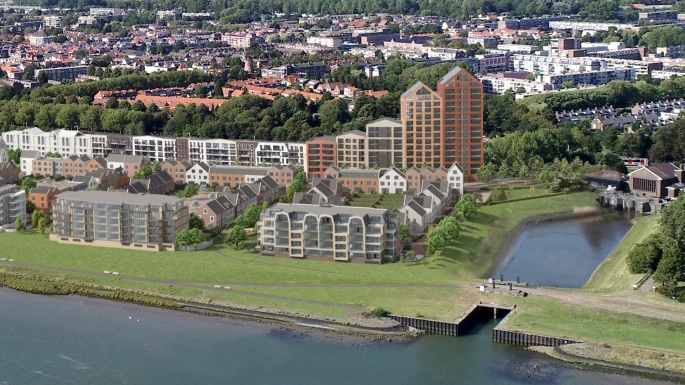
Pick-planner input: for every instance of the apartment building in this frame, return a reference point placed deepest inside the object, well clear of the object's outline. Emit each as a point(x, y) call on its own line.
point(321, 153)
point(355, 180)
point(332, 233)
point(154, 148)
point(500, 85)
point(215, 151)
point(65, 142)
point(235, 175)
point(98, 145)
point(62, 73)
point(52, 167)
point(118, 219)
point(596, 78)
point(351, 148)
point(12, 205)
point(246, 152)
point(444, 126)
point(384, 143)
point(284, 153)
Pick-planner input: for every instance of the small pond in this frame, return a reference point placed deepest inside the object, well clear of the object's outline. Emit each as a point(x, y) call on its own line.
point(564, 253)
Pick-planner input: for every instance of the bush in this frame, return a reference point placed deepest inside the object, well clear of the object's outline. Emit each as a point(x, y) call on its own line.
point(644, 257)
point(379, 312)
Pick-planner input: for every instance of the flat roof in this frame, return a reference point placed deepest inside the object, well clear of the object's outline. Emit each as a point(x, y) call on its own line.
point(329, 210)
point(115, 197)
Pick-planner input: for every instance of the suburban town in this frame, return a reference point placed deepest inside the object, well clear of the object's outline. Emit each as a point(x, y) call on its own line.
point(381, 172)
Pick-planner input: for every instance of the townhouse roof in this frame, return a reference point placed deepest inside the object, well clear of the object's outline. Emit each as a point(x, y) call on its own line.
point(202, 165)
point(415, 206)
point(121, 158)
point(238, 170)
point(101, 161)
point(30, 154)
point(359, 174)
point(42, 190)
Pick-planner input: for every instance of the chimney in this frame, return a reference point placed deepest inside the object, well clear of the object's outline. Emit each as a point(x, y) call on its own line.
point(679, 173)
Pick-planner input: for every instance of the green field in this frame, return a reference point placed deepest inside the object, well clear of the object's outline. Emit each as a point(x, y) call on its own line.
point(379, 201)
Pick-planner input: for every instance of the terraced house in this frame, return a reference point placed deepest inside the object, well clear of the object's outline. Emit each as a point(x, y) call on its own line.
point(118, 219)
point(332, 233)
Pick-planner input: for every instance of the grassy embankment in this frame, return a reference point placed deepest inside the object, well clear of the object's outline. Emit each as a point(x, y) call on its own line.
point(194, 273)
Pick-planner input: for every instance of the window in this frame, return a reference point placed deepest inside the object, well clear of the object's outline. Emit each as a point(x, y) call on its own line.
point(204, 211)
point(211, 219)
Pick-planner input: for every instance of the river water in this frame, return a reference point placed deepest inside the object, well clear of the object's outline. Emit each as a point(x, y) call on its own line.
point(564, 253)
point(75, 340)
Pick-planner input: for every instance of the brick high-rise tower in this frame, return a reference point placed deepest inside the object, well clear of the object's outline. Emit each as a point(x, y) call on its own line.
point(444, 126)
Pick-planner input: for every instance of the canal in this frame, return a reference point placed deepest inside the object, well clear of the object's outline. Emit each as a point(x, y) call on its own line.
point(73, 340)
point(564, 253)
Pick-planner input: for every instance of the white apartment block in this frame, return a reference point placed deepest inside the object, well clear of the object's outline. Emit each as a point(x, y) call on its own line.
point(331, 42)
point(553, 65)
point(12, 205)
point(52, 21)
point(500, 85)
point(155, 148)
point(64, 142)
point(593, 78)
point(587, 26)
point(213, 151)
point(270, 153)
point(98, 144)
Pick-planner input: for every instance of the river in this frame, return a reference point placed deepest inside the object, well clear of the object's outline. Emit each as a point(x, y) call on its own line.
point(75, 340)
point(564, 253)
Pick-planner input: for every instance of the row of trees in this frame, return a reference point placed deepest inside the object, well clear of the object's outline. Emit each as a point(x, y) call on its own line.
point(664, 253)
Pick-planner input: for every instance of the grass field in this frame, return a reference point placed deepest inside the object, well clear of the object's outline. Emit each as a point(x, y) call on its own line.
point(613, 274)
point(379, 201)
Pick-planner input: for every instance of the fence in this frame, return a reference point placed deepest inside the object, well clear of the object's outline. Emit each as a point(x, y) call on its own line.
point(201, 246)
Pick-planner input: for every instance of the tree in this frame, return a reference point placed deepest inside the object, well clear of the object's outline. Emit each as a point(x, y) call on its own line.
point(478, 196)
point(452, 228)
point(290, 193)
point(30, 207)
point(486, 173)
point(196, 222)
point(404, 232)
point(438, 239)
point(299, 183)
point(144, 172)
point(190, 191)
point(252, 215)
point(644, 257)
point(265, 206)
point(37, 216)
point(236, 236)
point(157, 167)
point(27, 184)
point(42, 77)
point(14, 155)
point(19, 224)
point(467, 206)
point(41, 226)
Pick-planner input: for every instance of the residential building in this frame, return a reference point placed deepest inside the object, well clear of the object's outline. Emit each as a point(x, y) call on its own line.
point(131, 164)
point(74, 165)
point(177, 170)
point(283, 175)
point(40, 38)
point(366, 181)
point(104, 179)
point(9, 172)
point(52, 21)
point(94, 164)
point(198, 174)
point(216, 212)
point(12, 205)
point(118, 219)
point(325, 232)
point(43, 197)
point(271, 153)
point(351, 148)
point(158, 183)
point(234, 175)
point(106, 12)
point(330, 42)
point(64, 142)
point(392, 181)
point(62, 73)
point(416, 176)
point(384, 143)
point(444, 126)
point(246, 152)
point(98, 145)
point(51, 167)
point(321, 153)
point(156, 149)
point(27, 158)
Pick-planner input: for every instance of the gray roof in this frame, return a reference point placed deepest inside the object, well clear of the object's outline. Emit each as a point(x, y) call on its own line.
point(121, 158)
point(456, 70)
point(111, 197)
point(369, 174)
point(327, 210)
point(238, 170)
point(30, 154)
point(413, 89)
point(381, 120)
point(41, 190)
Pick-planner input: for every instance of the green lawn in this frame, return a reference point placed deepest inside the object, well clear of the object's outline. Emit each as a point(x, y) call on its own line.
point(380, 201)
point(548, 316)
point(613, 274)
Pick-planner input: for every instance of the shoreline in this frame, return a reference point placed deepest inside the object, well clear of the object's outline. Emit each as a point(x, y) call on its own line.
point(38, 285)
point(594, 364)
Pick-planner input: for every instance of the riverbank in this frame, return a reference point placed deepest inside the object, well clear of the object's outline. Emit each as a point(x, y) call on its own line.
point(655, 365)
